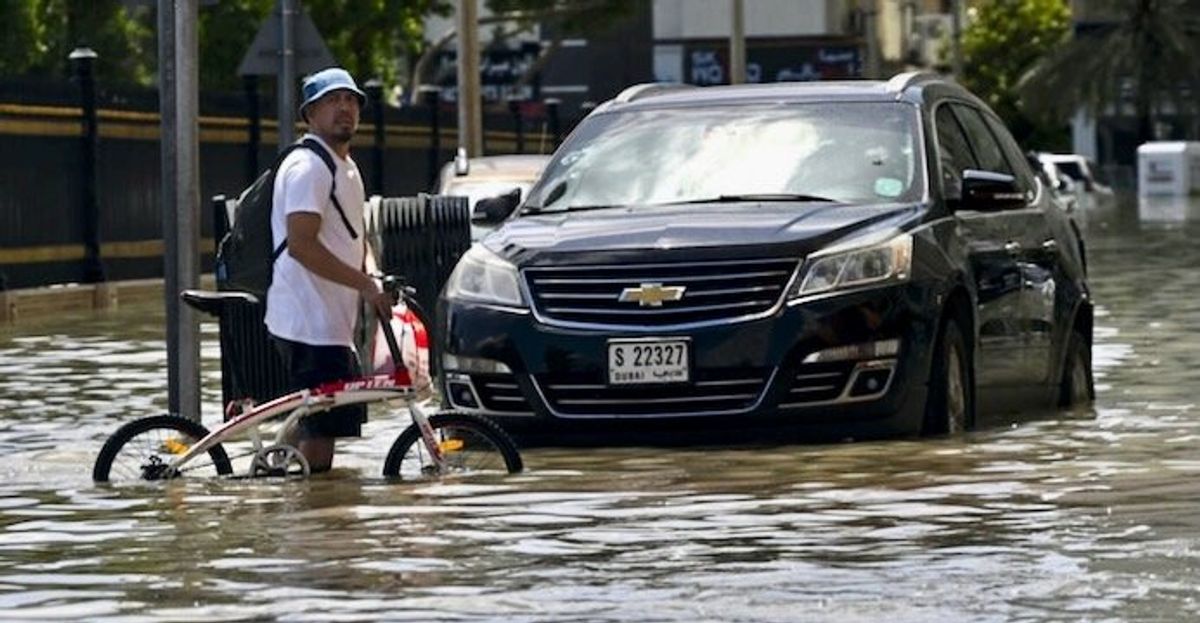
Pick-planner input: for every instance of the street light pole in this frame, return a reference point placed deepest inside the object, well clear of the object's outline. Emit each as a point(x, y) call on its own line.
point(470, 113)
point(870, 11)
point(84, 60)
point(956, 28)
point(179, 92)
point(737, 42)
point(287, 73)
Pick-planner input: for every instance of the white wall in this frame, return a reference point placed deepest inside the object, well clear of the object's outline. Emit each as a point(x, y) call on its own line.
point(707, 19)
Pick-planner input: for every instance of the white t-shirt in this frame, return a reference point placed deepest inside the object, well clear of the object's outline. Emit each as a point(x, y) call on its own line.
point(301, 306)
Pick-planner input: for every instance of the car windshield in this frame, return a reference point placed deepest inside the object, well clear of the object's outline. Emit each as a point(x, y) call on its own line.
point(852, 152)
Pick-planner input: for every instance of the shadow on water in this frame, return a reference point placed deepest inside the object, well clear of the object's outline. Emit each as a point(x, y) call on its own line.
point(1077, 515)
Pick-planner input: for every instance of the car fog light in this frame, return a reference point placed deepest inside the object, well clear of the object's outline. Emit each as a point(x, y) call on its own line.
point(871, 382)
point(856, 352)
point(454, 363)
point(462, 395)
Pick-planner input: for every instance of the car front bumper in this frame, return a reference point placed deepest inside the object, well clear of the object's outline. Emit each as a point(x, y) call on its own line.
point(777, 370)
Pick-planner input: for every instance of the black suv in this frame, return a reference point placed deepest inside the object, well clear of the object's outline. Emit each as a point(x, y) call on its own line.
point(876, 256)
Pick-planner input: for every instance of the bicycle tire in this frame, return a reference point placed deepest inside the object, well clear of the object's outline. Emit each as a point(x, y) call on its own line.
point(484, 438)
point(102, 470)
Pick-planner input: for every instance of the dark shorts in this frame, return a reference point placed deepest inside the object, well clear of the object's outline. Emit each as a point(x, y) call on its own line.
point(308, 366)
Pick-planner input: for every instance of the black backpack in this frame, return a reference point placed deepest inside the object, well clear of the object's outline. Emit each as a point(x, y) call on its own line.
point(245, 258)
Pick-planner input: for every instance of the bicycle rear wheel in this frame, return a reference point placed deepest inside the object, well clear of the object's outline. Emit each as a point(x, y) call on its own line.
point(142, 449)
point(470, 444)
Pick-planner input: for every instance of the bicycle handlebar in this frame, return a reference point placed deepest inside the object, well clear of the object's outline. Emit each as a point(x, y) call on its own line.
point(398, 288)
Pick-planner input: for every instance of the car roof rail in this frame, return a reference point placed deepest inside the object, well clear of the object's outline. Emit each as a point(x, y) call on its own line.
point(648, 89)
point(899, 82)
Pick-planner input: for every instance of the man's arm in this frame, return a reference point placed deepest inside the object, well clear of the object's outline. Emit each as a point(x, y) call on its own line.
point(303, 245)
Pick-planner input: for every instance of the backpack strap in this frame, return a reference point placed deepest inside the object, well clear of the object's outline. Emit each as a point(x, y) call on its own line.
point(274, 171)
point(316, 147)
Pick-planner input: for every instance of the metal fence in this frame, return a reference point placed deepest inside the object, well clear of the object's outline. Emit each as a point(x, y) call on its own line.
point(42, 232)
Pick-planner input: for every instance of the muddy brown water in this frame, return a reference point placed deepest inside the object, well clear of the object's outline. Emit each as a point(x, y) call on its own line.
point(1090, 515)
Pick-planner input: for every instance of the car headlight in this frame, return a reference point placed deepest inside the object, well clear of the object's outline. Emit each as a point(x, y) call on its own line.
point(484, 277)
point(889, 262)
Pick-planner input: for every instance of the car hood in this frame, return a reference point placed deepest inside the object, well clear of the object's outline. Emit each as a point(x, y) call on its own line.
point(698, 231)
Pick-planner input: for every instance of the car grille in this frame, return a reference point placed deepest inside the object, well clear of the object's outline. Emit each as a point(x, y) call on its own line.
point(712, 391)
point(817, 383)
point(500, 393)
point(715, 290)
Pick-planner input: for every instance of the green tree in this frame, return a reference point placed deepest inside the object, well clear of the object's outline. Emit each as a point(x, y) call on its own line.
point(36, 36)
point(367, 37)
point(1003, 41)
point(18, 36)
point(1147, 56)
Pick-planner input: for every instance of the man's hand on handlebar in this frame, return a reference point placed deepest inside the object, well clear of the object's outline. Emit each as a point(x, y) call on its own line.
point(379, 300)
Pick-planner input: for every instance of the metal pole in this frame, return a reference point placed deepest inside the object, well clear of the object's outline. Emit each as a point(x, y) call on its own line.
point(956, 38)
point(169, 195)
point(178, 93)
point(514, 108)
point(255, 118)
point(85, 62)
point(432, 96)
point(552, 121)
point(869, 13)
point(470, 113)
point(375, 91)
point(287, 74)
point(737, 43)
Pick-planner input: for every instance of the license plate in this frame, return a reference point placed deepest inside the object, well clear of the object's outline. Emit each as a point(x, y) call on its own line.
point(647, 362)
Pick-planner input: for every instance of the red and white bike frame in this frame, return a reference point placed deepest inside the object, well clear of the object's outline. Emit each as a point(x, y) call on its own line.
point(379, 388)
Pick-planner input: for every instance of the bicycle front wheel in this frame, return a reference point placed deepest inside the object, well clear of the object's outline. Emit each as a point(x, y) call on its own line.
point(470, 444)
point(142, 449)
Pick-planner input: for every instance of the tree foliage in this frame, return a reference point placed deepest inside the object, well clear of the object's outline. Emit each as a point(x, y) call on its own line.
point(370, 38)
point(1003, 41)
point(367, 37)
point(1147, 56)
point(36, 37)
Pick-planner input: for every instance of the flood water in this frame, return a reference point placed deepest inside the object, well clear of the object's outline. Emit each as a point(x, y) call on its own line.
point(1091, 515)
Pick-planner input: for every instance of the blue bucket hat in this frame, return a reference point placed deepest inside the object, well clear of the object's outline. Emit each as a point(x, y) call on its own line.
point(326, 81)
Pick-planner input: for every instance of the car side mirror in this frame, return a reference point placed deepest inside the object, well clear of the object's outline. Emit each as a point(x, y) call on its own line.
point(493, 210)
point(989, 192)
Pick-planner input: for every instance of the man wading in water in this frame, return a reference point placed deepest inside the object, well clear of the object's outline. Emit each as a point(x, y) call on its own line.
point(313, 301)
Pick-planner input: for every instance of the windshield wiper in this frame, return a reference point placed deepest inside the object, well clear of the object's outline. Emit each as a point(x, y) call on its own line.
point(584, 208)
point(756, 197)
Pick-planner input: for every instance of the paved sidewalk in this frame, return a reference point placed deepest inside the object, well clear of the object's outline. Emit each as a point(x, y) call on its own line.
point(17, 305)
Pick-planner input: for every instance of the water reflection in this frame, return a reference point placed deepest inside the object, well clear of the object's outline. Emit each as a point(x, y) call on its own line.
point(1085, 515)
point(1163, 210)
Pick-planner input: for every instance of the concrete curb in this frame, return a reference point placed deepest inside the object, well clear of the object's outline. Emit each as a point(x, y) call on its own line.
point(16, 305)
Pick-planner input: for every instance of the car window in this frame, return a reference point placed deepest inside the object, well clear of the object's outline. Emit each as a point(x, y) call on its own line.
point(954, 152)
point(983, 143)
point(1021, 166)
point(852, 152)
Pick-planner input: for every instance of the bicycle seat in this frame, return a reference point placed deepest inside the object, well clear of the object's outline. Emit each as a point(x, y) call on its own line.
point(215, 303)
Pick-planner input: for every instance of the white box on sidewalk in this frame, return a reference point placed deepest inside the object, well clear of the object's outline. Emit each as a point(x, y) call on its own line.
point(1170, 168)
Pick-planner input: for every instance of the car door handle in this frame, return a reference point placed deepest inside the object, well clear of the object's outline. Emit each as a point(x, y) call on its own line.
point(1050, 246)
point(1012, 248)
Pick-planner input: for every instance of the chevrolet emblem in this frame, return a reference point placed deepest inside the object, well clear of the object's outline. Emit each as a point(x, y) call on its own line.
point(651, 294)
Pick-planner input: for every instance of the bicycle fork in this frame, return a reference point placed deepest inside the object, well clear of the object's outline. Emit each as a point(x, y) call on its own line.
point(431, 442)
point(414, 410)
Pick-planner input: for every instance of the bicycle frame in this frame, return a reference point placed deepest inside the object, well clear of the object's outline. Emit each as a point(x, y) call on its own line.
point(367, 389)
